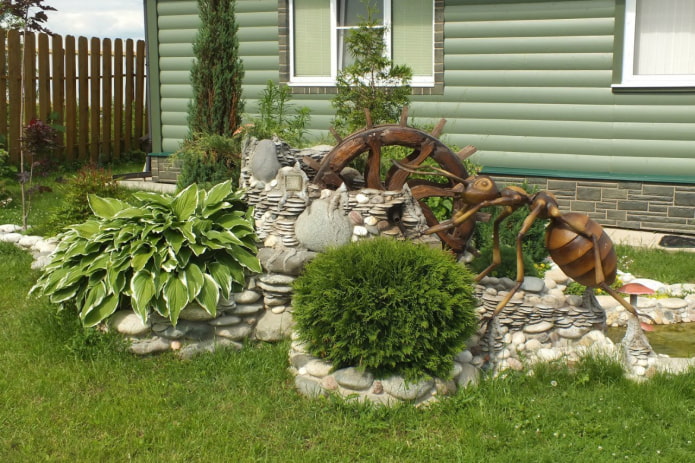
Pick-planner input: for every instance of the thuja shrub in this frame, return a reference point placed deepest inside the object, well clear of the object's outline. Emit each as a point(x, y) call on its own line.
point(387, 306)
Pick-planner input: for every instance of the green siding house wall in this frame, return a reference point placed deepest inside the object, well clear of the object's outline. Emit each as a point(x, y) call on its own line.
point(528, 83)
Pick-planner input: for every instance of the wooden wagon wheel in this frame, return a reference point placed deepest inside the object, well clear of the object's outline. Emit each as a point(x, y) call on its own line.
point(424, 145)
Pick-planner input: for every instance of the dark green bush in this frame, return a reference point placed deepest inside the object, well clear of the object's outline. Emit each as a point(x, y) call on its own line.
point(388, 306)
point(534, 241)
point(209, 159)
point(74, 207)
point(507, 268)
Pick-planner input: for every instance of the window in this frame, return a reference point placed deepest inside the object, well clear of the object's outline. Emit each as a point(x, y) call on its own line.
point(317, 31)
point(659, 44)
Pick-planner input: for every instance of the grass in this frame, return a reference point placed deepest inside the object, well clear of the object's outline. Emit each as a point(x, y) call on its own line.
point(72, 395)
point(665, 266)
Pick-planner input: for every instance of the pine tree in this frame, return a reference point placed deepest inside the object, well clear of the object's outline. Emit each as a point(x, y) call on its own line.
point(217, 72)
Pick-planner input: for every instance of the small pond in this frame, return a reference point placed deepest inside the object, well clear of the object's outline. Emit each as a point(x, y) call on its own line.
point(673, 340)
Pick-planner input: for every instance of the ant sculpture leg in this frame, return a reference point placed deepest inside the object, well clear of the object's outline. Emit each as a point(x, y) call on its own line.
point(525, 227)
point(496, 255)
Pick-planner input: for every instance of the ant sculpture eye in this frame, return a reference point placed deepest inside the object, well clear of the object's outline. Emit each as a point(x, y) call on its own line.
point(483, 183)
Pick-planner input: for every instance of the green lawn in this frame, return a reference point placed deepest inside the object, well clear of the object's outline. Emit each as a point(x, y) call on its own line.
point(70, 395)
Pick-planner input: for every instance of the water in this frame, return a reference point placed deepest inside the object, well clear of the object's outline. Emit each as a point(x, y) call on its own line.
point(676, 340)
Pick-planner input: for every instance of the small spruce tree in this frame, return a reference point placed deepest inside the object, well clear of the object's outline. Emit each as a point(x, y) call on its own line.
point(217, 73)
point(371, 82)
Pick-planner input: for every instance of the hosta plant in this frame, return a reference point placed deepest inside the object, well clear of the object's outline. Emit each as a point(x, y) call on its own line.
point(157, 253)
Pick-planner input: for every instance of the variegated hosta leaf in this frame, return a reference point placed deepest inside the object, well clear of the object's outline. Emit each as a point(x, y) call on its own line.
point(152, 199)
point(222, 276)
point(217, 194)
point(106, 208)
point(99, 313)
point(142, 290)
point(185, 203)
point(194, 280)
point(245, 258)
point(176, 296)
point(209, 295)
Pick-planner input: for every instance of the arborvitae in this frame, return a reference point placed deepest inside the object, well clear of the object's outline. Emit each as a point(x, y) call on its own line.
point(217, 73)
point(371, 82)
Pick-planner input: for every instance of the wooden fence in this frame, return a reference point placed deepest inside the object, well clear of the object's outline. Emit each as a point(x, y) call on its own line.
point(94, 88)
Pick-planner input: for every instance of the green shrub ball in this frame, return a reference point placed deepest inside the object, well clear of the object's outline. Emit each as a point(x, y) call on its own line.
point(387, 306)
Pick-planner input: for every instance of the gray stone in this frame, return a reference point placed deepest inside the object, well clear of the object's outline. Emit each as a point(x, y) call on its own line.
point(194, 312)
point(150, 346)
point(188, 329)
point(318, 368)
point(308, 387)
point(287, 261)
point(354, 379)
point(264, 162)
point(9, 228)
point(533, 284)
point(300, 359)
point(573, 332)
point(321, 226)
point(274, 327)
point(40, 262)
point(276, 279)
point(128, 323)
point(275, 288)
point(210, 345)
point(246, 297)
point(539, 327)
point(247, 309)
point(469, 376)
point(403, 390)
point(11, 237)
point(235, 333)
point(28, 241)
point(225, 320)
point(46, 247)
point(556, 275)
point(464, 356)
point(673, 303)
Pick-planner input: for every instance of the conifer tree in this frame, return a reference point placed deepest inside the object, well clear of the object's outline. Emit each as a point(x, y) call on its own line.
point(217, 72)
point(371, 82)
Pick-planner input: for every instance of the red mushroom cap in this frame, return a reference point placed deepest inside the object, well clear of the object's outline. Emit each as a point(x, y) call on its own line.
point(635, 288)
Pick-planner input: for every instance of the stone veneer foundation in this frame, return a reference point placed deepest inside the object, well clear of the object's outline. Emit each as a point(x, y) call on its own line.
point(668, 208)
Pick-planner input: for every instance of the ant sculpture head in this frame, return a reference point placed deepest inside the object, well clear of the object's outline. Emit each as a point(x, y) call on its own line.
point(472, 190)
point(479, 188)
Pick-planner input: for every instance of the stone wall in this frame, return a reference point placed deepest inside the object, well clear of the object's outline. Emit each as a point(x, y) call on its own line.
point(165, 169)
point(668, 208)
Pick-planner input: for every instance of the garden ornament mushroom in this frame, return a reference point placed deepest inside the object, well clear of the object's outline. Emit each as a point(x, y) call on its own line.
point(634, 290)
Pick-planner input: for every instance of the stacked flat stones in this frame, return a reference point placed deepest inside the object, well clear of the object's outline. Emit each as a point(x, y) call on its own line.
point(302, 215)
point(243, 316)
point(315, 377)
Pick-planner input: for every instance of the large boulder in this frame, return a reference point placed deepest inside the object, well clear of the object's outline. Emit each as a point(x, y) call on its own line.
point(321, 226)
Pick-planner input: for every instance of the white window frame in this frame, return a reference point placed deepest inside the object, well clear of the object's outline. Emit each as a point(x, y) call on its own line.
point(319, 81)
point(629, 78)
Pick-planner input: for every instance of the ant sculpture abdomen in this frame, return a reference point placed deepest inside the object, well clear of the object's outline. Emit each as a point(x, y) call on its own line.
point(575, 254)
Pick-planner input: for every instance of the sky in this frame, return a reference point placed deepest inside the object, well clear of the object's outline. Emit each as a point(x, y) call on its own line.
point(114, 19)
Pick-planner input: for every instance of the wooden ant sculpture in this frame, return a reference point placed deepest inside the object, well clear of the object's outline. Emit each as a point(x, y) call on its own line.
point(577, 244)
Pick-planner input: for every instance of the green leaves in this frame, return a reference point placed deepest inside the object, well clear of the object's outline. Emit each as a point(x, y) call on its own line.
point(160, 252)
point(398, 308)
